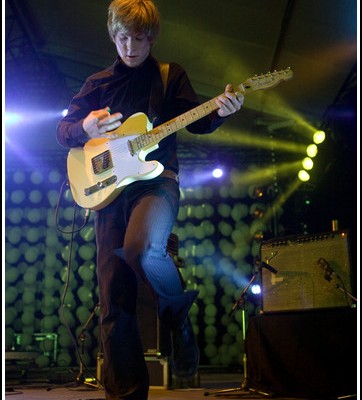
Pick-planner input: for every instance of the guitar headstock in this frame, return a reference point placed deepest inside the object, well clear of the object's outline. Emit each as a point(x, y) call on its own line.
point(265, 81)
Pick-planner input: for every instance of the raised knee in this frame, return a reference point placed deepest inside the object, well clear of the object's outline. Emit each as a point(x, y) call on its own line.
point(136, 253)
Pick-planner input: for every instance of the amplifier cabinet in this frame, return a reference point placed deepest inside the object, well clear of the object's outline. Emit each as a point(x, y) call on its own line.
point(312, 271)
point(315, 357)
point(159, 372)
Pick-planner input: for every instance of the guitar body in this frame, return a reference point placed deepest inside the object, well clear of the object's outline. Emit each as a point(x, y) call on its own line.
point(100, 170)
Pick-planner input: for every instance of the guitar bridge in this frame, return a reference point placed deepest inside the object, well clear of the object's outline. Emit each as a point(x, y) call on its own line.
point(100, 185)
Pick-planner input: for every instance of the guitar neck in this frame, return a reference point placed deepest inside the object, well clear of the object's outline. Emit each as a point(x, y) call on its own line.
point(155, 135)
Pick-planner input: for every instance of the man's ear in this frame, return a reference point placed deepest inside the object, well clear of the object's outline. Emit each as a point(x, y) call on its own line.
point(151, 40)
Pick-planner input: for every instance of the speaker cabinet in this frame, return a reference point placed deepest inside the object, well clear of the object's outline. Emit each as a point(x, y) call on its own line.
point(312, 272)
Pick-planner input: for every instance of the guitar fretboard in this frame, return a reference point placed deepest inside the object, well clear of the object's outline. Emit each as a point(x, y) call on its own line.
point(160, 132)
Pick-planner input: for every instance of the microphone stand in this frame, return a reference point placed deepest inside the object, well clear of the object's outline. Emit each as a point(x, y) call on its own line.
point(345, 291)
point(329, 273)
point(244, 386)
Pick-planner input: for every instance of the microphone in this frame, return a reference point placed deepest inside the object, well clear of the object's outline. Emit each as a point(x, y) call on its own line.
point(263, 264)
point(328, 270)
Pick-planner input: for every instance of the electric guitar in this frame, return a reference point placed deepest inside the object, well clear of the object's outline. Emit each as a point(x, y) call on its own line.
point(100, 170)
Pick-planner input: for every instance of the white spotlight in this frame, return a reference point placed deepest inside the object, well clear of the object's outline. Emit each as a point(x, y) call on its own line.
point(12, 118)
point(255, 289)
point(217, 173)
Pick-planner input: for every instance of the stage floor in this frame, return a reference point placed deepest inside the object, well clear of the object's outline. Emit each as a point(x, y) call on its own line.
point(211, 385)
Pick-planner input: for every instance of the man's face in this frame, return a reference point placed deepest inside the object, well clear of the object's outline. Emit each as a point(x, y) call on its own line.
point(133, 47)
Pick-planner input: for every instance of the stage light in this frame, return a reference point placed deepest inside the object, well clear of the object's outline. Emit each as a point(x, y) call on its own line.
point(312, 150)
point(64, 112)
point(12, 118)
point(319, 137)
point(257, 210)
point(307, 163)
point(255, 289)
point(258, 236)
point(256, 192)
point(303, 175)
point(217, 173)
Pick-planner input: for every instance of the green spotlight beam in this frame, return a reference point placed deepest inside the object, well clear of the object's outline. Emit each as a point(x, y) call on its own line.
point(250, 139)
point(265, 175)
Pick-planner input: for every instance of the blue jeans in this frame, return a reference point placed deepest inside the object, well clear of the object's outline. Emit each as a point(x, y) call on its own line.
point(132, 234)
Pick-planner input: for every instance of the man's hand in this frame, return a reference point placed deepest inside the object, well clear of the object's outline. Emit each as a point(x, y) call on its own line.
point(98, 123)
point(229, 102)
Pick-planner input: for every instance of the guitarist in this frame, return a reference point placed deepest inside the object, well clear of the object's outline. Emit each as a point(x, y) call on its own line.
point(132, 231)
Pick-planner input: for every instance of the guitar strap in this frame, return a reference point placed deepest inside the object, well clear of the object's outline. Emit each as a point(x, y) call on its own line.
point(158, 91)
point(164, 68)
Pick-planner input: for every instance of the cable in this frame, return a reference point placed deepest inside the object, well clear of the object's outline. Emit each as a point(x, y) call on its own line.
point(86, 215)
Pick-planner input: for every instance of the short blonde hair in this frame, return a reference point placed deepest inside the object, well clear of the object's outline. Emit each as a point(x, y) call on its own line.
point(133, 15)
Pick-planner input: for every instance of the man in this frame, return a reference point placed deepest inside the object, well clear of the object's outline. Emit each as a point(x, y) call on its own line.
point(132, 231)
